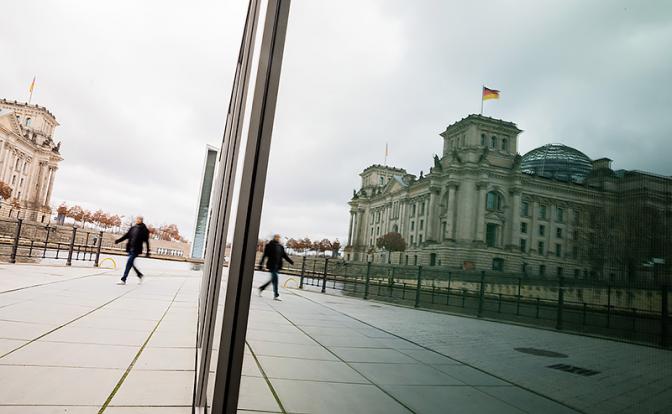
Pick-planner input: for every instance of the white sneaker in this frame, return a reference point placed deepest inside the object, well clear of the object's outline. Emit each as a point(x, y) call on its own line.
point(277, 298)
point(121, 283)
point(259, 292)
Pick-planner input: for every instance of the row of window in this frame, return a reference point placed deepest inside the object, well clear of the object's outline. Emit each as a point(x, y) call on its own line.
point(543, 212)
point(421, 207)
point(495, 201)
point(494, 142)
point(169, 252)
point(559, 232)
point(541, 248)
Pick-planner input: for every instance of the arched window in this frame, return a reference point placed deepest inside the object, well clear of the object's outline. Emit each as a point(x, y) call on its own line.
point(483, 140)
point(494, 201)
point(493, 142)
point(395, 229)
point(505, 144)
point(28, 121)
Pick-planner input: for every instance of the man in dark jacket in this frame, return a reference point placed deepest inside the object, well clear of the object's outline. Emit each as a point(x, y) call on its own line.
point(136, 236)
point(273, 253)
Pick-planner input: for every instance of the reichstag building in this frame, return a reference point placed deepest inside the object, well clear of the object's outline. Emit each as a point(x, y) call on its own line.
point(482, 206)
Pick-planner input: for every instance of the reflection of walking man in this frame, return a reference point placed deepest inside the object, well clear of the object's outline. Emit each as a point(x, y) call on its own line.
point(136, 236)
point(273, 253)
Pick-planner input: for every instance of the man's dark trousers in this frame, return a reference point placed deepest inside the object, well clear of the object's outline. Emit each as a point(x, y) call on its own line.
point(130, 263)
point(274, 280)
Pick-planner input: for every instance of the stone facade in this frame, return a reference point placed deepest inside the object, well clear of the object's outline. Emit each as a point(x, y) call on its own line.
point(28, 157)
point(476, 209)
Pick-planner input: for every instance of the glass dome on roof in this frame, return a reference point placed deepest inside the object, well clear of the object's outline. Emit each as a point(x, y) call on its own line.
point(557, 161)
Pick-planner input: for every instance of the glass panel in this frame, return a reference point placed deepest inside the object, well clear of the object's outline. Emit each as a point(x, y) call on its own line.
point(472, 217)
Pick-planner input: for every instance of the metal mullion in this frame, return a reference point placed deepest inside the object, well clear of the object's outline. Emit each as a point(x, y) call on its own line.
point(246, 230)
point(217, 233)
point(216, 198)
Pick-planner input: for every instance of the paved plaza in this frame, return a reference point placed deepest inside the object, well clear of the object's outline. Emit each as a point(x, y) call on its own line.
point(72, 341)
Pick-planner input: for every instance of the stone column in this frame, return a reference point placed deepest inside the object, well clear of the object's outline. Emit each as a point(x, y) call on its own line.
point(32, 180)
point(480, 217)
point(450, 214)
point(5, 157)
point(356, 228)
point(50, 188)
point(466, 209)
point(7, 170)
point(533, 231)
point(40, 183)
point(352, 218)
point(432, 215)
point(402, 219)
point(514, 232)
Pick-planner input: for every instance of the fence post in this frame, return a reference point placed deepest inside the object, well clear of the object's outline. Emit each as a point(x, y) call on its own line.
point(303, 271)
point(15, 245)
point(448, 292)
point(71, 247)
point(324, 277)
point(86, 247)
point(30, 252)
point(664, 315)
point(518, 297)
point(100, 245)
point(367, 279)
point(418, 286)
point(46, 242)
point(561, 301)
point(481, 294)
point(608, 304)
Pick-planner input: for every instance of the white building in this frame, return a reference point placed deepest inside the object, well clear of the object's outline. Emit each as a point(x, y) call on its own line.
point(29, 158)
point(482, 206)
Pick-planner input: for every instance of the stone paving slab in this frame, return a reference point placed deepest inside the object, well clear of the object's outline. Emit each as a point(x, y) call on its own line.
point(632, 378)
point(71, 341)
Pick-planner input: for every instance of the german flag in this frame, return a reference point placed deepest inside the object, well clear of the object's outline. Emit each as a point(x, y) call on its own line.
point(490, 93)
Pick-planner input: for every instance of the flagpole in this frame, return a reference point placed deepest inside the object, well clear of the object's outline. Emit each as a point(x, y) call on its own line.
point(482, 87)
point(385, 163)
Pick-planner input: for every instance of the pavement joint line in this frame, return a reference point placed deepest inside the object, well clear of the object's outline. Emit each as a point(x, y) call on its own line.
point(57, 366)
point(57, 281)
point(66, 324)
point(439, 353)
point(499, 321)
point(137, 356)
point(341, 359)
point(268, 381)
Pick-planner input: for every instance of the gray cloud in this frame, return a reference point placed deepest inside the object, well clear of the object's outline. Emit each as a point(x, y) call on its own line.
point(140, 88)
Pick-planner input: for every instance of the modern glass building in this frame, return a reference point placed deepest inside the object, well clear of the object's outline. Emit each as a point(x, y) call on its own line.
point(201, 226)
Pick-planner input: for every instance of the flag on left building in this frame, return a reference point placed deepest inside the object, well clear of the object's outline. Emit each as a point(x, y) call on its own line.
point(32, 85)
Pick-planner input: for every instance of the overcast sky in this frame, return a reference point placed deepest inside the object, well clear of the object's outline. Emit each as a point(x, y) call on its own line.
point(140, 87)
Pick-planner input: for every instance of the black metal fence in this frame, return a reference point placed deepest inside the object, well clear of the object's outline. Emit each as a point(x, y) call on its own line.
point(28, 241)
point(631, 311)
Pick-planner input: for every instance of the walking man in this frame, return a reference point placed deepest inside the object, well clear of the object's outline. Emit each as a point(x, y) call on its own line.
point(136, 236)
point(274, 252)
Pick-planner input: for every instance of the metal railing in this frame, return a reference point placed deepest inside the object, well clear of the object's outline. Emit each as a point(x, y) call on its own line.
point(630, 311)
point(24, 241)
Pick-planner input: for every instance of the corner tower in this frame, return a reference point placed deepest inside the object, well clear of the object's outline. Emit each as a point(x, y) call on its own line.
point(477, 138)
